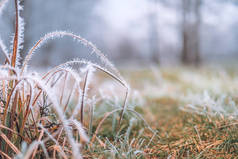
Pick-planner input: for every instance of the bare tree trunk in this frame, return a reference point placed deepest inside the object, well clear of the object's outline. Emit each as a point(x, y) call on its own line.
point(153, 35)
point(197, 32)
point(185, 58)
point(191, 31)
point(185, 51)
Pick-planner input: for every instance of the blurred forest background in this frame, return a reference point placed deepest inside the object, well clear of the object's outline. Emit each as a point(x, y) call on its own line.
point(139, 32)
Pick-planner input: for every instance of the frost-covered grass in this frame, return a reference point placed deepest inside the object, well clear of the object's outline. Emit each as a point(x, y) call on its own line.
point(194, 110)
point(43, 115)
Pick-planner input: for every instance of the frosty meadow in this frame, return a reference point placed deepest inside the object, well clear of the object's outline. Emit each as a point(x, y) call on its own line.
point(86, 109)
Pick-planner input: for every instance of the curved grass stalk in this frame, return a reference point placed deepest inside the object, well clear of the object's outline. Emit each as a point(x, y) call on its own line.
point(59, 34)
point(103, 70)
point(121, 81)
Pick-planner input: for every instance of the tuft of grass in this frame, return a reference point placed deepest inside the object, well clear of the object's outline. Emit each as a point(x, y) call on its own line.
point(43, 116)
